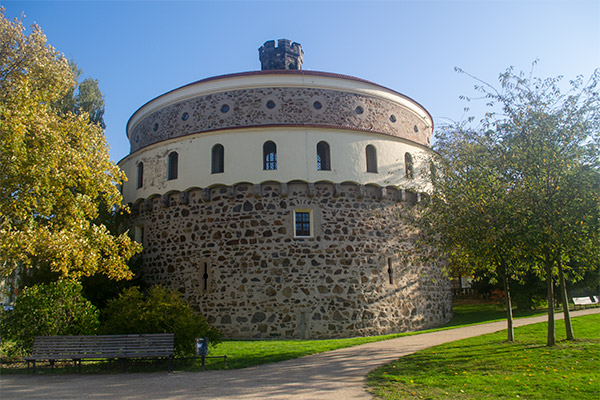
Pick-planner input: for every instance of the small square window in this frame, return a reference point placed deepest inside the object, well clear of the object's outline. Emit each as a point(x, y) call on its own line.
point(303, 224)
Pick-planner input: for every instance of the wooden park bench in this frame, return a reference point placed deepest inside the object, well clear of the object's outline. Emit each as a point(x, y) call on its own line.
point(585, 301)
point(121, 347)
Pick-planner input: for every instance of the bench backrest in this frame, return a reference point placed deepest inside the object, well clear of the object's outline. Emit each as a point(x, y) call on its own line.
point(105, 346)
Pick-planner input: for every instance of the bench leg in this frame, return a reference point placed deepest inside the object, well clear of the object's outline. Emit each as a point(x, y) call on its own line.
point(51, 365)
point(33, 366)
point(225, 360)
point(77, 364)
point(203, 363)
point(123, 362)
point(170, 364)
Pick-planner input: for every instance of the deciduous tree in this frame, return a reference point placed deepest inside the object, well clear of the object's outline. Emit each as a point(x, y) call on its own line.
point(55, 170)
point(469, 217)
point(83, 97)
point(544, 161)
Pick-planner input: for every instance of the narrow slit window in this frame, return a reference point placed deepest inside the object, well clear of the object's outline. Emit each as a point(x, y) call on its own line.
point(323, 160)
point(172, 169)
point(390, 271)
point(269, 156)
point(140, 175)
point(205, 277)
point(371, 158)
point(408, 166)
point(218, 160)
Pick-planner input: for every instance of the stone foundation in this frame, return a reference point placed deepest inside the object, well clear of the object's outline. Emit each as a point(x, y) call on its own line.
point(231, 253)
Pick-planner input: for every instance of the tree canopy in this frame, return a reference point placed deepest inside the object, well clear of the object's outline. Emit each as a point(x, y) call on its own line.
point(521, 186)
point(84, 97)
point(55, 170)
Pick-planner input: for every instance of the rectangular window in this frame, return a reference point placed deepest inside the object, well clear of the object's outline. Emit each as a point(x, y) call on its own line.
point(303, 225)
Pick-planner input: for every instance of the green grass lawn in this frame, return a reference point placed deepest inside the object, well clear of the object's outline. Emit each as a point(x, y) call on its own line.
point(488, 367)
point(246, 353)
point(478, 313)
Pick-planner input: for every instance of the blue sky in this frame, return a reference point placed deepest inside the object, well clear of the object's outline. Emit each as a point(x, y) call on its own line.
point(141, 49)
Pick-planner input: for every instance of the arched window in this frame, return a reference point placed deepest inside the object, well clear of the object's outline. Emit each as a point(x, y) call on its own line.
point(172, 166)
point(140, 175)
point(269, 156)
point(408, 166)
point(371, 159)
point(218, 160)
point(323, 160)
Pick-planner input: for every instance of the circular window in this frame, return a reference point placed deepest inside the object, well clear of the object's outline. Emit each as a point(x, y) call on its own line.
point(224, 108)
point(393, 118)
point(155, 127)
point(416, 129)
point(317, 105)
point(185, 116)
point(359, 110)
point(270, 104)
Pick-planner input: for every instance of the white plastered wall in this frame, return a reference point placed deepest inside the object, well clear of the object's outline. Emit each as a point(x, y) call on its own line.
point(296, 160)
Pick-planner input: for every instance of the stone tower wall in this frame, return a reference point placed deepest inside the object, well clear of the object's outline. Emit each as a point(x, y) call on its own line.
point(291, 107)
point(286, 55)
point(231, 252)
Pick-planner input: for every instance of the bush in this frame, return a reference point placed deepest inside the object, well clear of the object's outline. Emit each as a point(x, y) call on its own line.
point(56, 308)
point(159, 311)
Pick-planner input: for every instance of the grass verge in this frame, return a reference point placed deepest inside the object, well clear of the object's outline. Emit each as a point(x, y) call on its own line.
point(488, 367)
point(247, 353)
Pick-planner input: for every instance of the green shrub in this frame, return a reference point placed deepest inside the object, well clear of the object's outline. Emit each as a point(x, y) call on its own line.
point(159, 311)
point(56, 308)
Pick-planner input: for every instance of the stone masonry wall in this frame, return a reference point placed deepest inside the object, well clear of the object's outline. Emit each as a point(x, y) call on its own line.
point(279, 106)
point(231, 253)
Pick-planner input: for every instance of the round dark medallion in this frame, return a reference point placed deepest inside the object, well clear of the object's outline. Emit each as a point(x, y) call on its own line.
point(359, 110)
point(270, 104)
point(185, 116)
point(317, 105)
point(224, 108)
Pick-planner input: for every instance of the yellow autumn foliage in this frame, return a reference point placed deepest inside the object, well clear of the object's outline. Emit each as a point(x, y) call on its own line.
point(55, 168)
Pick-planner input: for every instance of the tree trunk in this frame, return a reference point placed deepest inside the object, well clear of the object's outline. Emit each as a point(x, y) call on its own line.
point(565, 301)
point(509, 317)
point(551, 328)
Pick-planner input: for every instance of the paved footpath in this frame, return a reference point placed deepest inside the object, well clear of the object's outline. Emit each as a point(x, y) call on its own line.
point(338, 374)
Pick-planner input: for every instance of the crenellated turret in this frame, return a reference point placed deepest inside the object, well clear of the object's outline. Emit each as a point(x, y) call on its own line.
point(286, 55)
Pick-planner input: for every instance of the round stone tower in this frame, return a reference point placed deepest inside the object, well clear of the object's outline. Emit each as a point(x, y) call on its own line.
point(271, 201)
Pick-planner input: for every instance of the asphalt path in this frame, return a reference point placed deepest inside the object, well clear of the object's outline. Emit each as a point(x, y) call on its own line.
point(333, 375)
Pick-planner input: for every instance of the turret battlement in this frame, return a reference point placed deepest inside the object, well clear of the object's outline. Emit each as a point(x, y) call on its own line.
point(286, 55)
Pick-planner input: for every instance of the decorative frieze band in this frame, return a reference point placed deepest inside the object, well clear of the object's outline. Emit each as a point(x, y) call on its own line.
point(279, 106)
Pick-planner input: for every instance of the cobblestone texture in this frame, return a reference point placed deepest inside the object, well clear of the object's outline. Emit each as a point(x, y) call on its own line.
point(290, 106)
point(261, 282)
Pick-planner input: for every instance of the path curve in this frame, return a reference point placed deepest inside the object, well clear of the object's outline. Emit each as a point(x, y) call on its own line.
point(338, 374)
